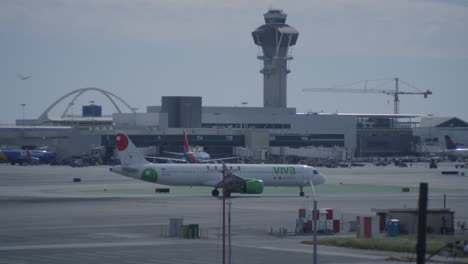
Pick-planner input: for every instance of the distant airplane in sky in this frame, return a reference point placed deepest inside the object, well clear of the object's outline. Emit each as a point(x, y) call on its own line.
point(21, 156)
point(240, 178)
point(191, 156)
point(453, 150)
point(22, 77)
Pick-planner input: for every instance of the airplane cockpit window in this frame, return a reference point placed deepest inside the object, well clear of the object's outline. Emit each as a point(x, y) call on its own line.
point(315, 171)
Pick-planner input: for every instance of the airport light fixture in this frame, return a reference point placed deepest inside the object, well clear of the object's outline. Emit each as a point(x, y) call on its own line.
point(23, 106)
point(134, 109)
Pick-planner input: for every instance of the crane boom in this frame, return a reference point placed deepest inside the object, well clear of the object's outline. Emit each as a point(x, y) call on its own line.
point(395, 93)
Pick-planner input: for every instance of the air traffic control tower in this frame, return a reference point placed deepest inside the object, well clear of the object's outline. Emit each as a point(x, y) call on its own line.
point(275, 37)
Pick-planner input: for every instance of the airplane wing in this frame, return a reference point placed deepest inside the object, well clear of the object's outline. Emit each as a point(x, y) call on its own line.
point(231, 178)
point(221, 159)
point(153, 158)
point(199, 160)
point(174, 153)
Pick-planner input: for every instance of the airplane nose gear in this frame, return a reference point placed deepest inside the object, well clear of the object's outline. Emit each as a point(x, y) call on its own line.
point(302, 191)
point(215, 193)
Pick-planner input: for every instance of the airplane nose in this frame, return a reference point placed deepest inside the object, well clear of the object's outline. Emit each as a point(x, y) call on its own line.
point(321, 179)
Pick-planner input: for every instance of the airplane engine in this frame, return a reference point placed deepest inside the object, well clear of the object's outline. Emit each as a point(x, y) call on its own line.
point(248, 186)
point(253, 186)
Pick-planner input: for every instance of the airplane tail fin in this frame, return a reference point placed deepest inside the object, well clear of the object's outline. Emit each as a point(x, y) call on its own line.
point(186, 145)
point(449, 143)
point(189, 156)
point(129, 155)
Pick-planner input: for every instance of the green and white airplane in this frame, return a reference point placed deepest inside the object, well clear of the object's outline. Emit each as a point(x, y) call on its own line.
point(239, 178)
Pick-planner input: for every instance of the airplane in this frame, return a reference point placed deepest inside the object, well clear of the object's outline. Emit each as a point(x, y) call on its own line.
point(453, 150)
point(22, 77)
point(189, 155)
point(21, 156)
point(239, 178)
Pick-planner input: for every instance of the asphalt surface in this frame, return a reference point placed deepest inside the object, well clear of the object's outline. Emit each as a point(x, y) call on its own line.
point(107, 218)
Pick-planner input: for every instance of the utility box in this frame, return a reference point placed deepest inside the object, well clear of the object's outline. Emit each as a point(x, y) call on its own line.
point(175, 225)
point(191, 231)
point(367, 227)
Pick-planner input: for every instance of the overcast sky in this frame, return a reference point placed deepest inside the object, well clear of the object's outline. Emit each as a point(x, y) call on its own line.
point(144, 49)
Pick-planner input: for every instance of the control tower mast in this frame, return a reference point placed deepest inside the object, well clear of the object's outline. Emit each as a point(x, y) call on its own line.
point(275, 37)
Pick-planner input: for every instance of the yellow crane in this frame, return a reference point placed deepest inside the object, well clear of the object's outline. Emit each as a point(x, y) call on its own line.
point(396, 92)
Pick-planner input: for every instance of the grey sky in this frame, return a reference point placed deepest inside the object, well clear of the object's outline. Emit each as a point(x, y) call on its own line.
point(142, 50)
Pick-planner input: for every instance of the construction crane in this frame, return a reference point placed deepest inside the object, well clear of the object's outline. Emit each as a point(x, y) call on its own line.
point(395, 92)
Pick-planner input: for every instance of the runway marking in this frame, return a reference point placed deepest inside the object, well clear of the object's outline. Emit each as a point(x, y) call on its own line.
point(118, 206)
point(87, 245)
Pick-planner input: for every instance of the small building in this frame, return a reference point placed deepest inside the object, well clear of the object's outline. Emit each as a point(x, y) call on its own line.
point(439, 221)
point(92, 110)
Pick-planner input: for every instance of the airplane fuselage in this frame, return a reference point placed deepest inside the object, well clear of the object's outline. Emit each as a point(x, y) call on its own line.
point(238, 178)
point(20, 155)
point(211, 174)
point(459, 152)
point(197, 157)
point(453, 150)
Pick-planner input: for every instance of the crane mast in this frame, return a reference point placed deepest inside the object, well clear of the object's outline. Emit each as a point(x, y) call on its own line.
point(395, 92)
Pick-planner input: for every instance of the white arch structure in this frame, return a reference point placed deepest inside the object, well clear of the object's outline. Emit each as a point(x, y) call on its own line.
point(45, 115)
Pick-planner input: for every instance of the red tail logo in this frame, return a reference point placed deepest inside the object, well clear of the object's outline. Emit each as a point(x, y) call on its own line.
point(449, 143)
point(186, 145)
point(188, 153)
point(122, 142)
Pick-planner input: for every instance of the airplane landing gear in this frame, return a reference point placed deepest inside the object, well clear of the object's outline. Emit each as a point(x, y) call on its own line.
point(215, 192)
point(301, 193)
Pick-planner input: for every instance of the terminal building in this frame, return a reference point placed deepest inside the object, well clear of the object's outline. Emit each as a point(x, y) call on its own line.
point(256, 134)
point(272, 133)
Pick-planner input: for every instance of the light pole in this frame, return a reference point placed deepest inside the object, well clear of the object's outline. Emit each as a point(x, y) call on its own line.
point(134, 109)
point(22, 106)
point(73, 113)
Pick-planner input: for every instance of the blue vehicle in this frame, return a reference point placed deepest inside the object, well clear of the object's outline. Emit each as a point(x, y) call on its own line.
point(21, 156)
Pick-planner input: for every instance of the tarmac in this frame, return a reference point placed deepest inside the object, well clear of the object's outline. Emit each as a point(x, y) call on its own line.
point(108, 218)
